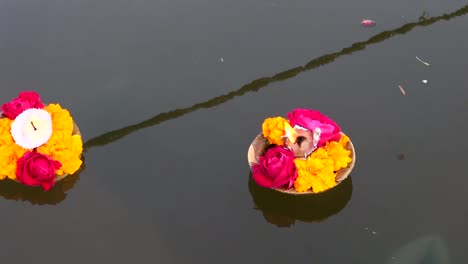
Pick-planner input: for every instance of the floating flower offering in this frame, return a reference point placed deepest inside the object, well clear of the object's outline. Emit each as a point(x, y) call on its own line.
point(305, 153)
point(39, 145)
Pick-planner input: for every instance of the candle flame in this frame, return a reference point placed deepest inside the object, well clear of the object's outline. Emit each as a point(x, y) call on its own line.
point(291, 134)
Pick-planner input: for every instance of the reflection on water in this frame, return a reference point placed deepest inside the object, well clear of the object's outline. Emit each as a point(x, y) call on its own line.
point(260, 83)
point(12, 190)
point(283, 209)
point(424, 250)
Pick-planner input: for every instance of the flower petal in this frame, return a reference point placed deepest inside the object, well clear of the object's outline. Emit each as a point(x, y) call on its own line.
point(260, 178)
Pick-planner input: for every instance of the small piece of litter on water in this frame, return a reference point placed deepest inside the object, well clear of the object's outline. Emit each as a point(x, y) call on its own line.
point(423, 62)
point(401, 156)
point(222, 60)
point(402, 90)
point(372, 231)
point(424, 81)
point(368, 23)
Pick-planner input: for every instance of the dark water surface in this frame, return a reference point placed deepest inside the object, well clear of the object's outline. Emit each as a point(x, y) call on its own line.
point(169, 94)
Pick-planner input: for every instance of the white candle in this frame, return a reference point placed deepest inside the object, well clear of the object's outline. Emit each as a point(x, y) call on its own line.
point(32, 128)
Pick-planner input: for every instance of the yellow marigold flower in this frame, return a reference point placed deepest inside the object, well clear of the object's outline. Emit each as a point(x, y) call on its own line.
point(304, 178)
point(344, 139)
point(61, 118)
point(5, 126)
point(315, 173)
point(303, 181)
point(273, 129)
point(338, 154)
point(62, 145)
point(10, 152)
point(320, 153)
point(318, 172)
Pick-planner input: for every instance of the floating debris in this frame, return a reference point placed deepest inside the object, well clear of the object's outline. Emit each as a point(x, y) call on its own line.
point(402, 90)
point(423, 62)
point(424, 81)
point(368, 22)
point(221, 59)
point(370, 231)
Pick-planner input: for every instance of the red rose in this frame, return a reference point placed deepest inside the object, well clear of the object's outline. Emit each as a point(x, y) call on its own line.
point(275, 169)
point(25, 100)
point(311, 119)
point(36, 169)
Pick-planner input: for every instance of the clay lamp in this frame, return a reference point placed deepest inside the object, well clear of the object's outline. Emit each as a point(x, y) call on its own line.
point(301, 141)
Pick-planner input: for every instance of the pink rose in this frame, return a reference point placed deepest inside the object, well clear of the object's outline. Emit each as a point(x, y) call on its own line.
point(311, 119)
point(275, 169)
point(36, 169)
point(25, 100)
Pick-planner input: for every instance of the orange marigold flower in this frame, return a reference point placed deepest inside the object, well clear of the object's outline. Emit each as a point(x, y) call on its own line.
point(273, 130)
point(62, 145)
point(344, 139)
point(10, 152)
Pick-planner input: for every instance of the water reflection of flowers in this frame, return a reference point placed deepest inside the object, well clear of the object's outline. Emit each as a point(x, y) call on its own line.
point(38, 144)
point(12, 190)
point(305, 151)
point(283, 210)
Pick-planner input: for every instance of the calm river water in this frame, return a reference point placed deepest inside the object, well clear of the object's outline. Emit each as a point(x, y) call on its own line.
point(169, 94)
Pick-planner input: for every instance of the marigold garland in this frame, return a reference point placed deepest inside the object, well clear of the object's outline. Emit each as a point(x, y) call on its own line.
point(273, 130)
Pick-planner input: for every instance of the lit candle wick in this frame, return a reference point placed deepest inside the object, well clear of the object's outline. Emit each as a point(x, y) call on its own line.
point(32, 124)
